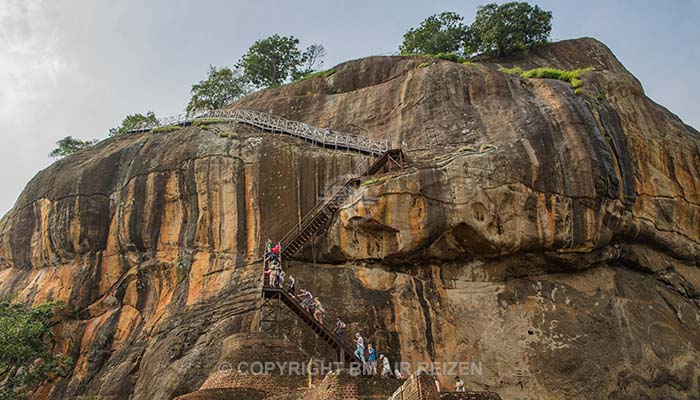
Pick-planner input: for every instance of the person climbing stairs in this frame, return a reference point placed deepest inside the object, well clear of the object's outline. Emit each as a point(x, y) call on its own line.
point(317, 219)
point(273, 297)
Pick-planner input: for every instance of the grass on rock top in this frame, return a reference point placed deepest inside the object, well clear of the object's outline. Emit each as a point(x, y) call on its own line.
point(441, 56)
point(167, 128)
point(551, 73)
point(374, 180)
point(208, 121)
point(319, 74)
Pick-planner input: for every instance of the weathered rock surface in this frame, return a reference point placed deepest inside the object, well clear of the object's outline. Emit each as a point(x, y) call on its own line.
point(552, 238)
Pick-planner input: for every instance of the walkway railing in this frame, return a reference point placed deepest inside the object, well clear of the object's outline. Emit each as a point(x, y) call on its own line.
point(318, 217)
point(325, 331)
point(319, 136)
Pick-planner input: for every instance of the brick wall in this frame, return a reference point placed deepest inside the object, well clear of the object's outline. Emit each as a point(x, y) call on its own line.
point(377, 388)
point(334, 388)
point(264, 382)
point(231, 385)
point(423, 387)
point(224, 394)
point(408, 391)
point(260, 347)
point(470, 396)
point(417, 387)
point(342, 386)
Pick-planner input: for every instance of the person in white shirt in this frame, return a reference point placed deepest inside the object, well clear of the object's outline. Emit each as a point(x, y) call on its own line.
point(459, 384)
point(360, 350)
point(386, 366)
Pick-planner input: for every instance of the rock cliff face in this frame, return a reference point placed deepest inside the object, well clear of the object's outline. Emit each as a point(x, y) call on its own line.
point(550, 237)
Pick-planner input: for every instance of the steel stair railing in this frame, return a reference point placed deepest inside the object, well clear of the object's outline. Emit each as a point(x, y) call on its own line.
point(318, 217)
point(320, 330)
point(268, 122)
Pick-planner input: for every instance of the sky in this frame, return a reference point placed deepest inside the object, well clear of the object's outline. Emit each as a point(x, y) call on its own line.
point(70, 67)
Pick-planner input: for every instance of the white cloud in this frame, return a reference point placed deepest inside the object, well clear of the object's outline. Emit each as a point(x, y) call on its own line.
point(30, 61)
point(76, 67)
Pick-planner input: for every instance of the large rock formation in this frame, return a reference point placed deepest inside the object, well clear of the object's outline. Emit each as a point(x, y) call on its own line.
point(552, 238)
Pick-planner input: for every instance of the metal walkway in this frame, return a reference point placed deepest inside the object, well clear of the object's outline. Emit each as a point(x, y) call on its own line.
point(271, 123)
point(316, 220)
point(270, 320)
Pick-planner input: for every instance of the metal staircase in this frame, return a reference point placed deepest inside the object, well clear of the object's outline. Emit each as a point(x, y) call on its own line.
point(270, 320)
point(316, 220)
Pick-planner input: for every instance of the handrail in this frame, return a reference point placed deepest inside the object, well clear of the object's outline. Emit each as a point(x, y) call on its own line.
point(335, 199)
point(346, 344)
point(320, 136)
point(311, 215)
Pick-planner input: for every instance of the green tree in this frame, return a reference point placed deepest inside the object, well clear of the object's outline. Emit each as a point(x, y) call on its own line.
point(311, 60)
point(273, 60)
point(508, 28)
point(439, 33)
point(69, 145)
point(26, 360)
point(131, 120)
point(221, 87)
point(270, 61)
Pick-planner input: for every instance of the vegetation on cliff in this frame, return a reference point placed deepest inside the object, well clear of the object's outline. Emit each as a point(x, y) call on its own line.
point(497, 29)
point(222, 86)
point(276, 60)
point(26, 359)
point(508, 28)
point(439, 33)
point(551, 73)
point(132, 120)
point(269, 62)
point(69, 145)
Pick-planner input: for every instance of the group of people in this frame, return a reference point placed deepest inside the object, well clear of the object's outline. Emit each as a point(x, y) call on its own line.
point(312, 305)
point(369, 363)
point(275, 277)
point(274, 274)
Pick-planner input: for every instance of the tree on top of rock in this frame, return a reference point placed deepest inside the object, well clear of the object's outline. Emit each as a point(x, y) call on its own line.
point(439, 33)
point(221, 87)
point(131, 121)
point(497, 29)
point(311, 60)
point(508, 28)
point(69, 145)
point(273, 60)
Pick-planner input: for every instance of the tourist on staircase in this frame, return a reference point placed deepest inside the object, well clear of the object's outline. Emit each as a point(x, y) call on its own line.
point(275, 278)
point(279, 281)
point(273, 273)
point(372, 359)
point(292, 288)
point(307, 299)
point(386, 366)
point(311, 308)
point(318, 311)
point(360, 350)
point(459, 384)
point(340, 330)
point(269, 255)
